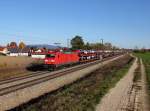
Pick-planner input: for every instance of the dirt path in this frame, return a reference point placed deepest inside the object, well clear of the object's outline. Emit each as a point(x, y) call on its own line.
point(145, 102)
point(118, 97)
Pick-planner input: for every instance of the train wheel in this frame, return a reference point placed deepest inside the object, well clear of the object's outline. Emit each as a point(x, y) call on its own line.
point(51, 68)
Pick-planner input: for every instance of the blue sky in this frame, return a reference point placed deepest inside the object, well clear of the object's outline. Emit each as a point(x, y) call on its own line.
point(125, 23)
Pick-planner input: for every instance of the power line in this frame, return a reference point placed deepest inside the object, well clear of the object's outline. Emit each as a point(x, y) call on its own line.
point(68, 43)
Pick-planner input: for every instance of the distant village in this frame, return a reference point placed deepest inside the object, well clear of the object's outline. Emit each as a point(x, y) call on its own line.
point(12, 49)
point(40, 50)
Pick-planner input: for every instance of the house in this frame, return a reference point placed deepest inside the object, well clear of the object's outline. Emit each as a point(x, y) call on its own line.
point(24, 52)
point(4, 50)
point(39, 54)
point(19, 52)
point(13, 51)
point(39, 51)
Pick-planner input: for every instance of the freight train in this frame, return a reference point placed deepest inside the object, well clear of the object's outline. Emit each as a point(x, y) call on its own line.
point(55, 59)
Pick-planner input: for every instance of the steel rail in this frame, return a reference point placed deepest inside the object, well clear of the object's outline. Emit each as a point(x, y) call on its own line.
point(31, 74)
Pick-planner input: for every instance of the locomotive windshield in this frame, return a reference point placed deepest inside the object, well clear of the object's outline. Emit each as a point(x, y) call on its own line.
point(50, 55)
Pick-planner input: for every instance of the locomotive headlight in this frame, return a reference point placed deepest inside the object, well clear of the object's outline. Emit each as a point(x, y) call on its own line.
point(46, 60)
point(52, 60)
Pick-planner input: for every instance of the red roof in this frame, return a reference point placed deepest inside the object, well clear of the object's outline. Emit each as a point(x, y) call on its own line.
point(2, 48)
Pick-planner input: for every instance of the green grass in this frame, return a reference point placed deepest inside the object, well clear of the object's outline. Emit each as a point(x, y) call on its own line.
point(146, 60)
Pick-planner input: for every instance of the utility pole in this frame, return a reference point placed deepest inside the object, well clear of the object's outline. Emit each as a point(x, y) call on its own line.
point(68, 43)
point(102, 41)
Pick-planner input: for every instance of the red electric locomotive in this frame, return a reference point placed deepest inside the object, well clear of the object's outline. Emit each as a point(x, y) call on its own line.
point(56, 59)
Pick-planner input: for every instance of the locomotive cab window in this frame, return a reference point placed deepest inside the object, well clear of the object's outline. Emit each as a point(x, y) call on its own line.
point(50, 55)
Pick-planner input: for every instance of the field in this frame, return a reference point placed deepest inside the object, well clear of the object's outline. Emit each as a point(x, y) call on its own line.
point(84, 94)
point(146, 60)
point(11, 66)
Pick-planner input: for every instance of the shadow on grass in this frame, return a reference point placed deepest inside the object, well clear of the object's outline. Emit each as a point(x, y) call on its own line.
point(36, 67)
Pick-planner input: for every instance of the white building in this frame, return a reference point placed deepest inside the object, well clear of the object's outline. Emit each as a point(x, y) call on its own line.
point(4, 50)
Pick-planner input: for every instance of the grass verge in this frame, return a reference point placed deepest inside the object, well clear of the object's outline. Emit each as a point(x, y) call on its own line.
point(146, 60)
point(137, 73)
point(13, 66)
point(84, 94)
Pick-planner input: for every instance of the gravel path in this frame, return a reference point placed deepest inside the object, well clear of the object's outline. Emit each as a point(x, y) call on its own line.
point(117, 98)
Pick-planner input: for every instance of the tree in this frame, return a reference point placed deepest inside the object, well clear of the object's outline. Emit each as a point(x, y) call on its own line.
point(136, 49)
point(96, 46)
point(13, 45)
point(108, 46)
point(8, 45)
point(77, 42)
point(143, 50)
point(115, 47)
point(87, 46)
point(22, 45)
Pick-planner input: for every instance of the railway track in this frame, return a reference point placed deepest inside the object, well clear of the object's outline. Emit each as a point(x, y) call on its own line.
point(16, 83)
point(28, 74)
